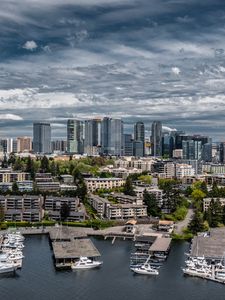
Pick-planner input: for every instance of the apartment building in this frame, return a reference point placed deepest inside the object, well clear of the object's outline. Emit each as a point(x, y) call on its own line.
point(155, 191)
point(22, 208)
point(207, 201)
point(94, 184)
point(108, 210)
point(53, 207)
point(7, 175)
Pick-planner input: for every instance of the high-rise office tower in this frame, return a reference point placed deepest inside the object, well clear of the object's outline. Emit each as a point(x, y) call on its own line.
point(42, 137)
point(192, 149)
point(92, 139)
point(24, 144)
point(167, 145)
point(75, 136)
point(139, 139)
point(112, 136)
point(207, 152)
point(128, 145)
point(156, 138)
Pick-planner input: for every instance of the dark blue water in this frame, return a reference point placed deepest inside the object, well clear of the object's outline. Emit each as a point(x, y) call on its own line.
point(38, 279)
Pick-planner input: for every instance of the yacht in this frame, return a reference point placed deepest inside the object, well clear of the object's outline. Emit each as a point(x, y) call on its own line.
point(145, 269)
point(85, 263)
point(7, 268)
point(199, 272)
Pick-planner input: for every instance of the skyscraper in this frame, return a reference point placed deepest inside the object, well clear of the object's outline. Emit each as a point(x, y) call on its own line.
point(128, 145)
point(156, 138)
point(75, 136)
point(42, 137)
point(192, 149)
point(112, 136)
point(139, 139)
point(92, 139)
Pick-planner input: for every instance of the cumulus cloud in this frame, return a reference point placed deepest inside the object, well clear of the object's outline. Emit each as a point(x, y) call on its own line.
point(168, 129)
point(109, 54)
point(30, 45)
point(10, 117)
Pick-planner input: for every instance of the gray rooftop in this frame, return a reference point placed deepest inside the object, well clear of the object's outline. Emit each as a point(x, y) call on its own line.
point(66, 233)
point(160, 244)
point(75, 249)
point(212, 246)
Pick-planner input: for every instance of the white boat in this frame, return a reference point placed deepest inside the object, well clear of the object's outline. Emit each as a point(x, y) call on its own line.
point(199, 272)
point(160, 256)
point(145, 269)
point(7, 268)
point(85, 263)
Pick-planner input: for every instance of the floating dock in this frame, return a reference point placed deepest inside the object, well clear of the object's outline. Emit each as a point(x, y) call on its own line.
point(67, 252)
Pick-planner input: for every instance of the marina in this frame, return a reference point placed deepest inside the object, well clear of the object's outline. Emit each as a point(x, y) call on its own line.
point(113, 280)
point(11, 252)
point(207, 256)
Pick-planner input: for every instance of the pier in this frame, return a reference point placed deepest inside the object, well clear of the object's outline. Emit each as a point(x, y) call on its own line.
point(67, 252)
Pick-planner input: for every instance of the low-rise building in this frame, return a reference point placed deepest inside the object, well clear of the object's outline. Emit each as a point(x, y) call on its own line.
point(110, 211)
point(184, 170)
point(22, 208)
point(94, 184)
point(7, 175)
point(53, 206)
point(127, 199)
point(155, 191)
point(207, 201)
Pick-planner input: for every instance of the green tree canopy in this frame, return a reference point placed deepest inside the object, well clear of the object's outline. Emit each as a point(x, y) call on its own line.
point(128, 187)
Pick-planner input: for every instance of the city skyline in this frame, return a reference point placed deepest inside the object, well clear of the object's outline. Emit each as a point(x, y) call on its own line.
point(136, 60)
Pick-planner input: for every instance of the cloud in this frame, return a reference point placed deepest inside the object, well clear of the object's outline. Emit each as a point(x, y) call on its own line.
point(93, 55)
point(30, 45)
point(175, 70)
point(166, 128)
point(10, 117)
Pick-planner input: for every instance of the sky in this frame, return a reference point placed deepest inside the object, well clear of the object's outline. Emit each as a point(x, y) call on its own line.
point(139, 60)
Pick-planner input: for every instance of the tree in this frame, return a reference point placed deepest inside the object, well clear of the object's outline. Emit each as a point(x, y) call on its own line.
point(53, 169)
point(45, 164)
point(198, 196)
point(81, 191)
point(18, 165)
point(145, 178)
point(5, 162)
point(197, 223)
point(15, 188)
point(128, 187)
point(215, 213)
point(30, 168)
point(2, 213)
point(64, 211)
point(152, 205)
point(223, 215)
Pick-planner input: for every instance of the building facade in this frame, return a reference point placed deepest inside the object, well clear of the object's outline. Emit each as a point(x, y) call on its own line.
point(75, 136)
point(42, 137)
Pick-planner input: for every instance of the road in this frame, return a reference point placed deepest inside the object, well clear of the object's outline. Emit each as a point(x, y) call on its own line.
point(179, 226)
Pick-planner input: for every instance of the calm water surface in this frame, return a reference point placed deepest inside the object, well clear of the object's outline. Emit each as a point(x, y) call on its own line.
point(38, 279)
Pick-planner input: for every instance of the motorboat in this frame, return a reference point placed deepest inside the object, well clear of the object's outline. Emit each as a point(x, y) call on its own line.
point(85, 263)
point(145, 269)
point(7, 268)
point(160, 256)
point(199, 272)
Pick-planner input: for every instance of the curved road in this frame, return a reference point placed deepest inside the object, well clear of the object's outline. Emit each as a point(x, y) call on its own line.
point(180, 226)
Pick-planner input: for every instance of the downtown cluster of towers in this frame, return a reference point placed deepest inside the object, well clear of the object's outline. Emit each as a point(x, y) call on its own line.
point(106, 137)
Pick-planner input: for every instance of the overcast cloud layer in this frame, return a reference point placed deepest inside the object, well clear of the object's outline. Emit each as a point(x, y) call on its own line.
point(135, 59)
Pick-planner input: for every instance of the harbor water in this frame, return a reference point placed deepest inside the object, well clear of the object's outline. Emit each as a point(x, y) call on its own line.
point(39, 280)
